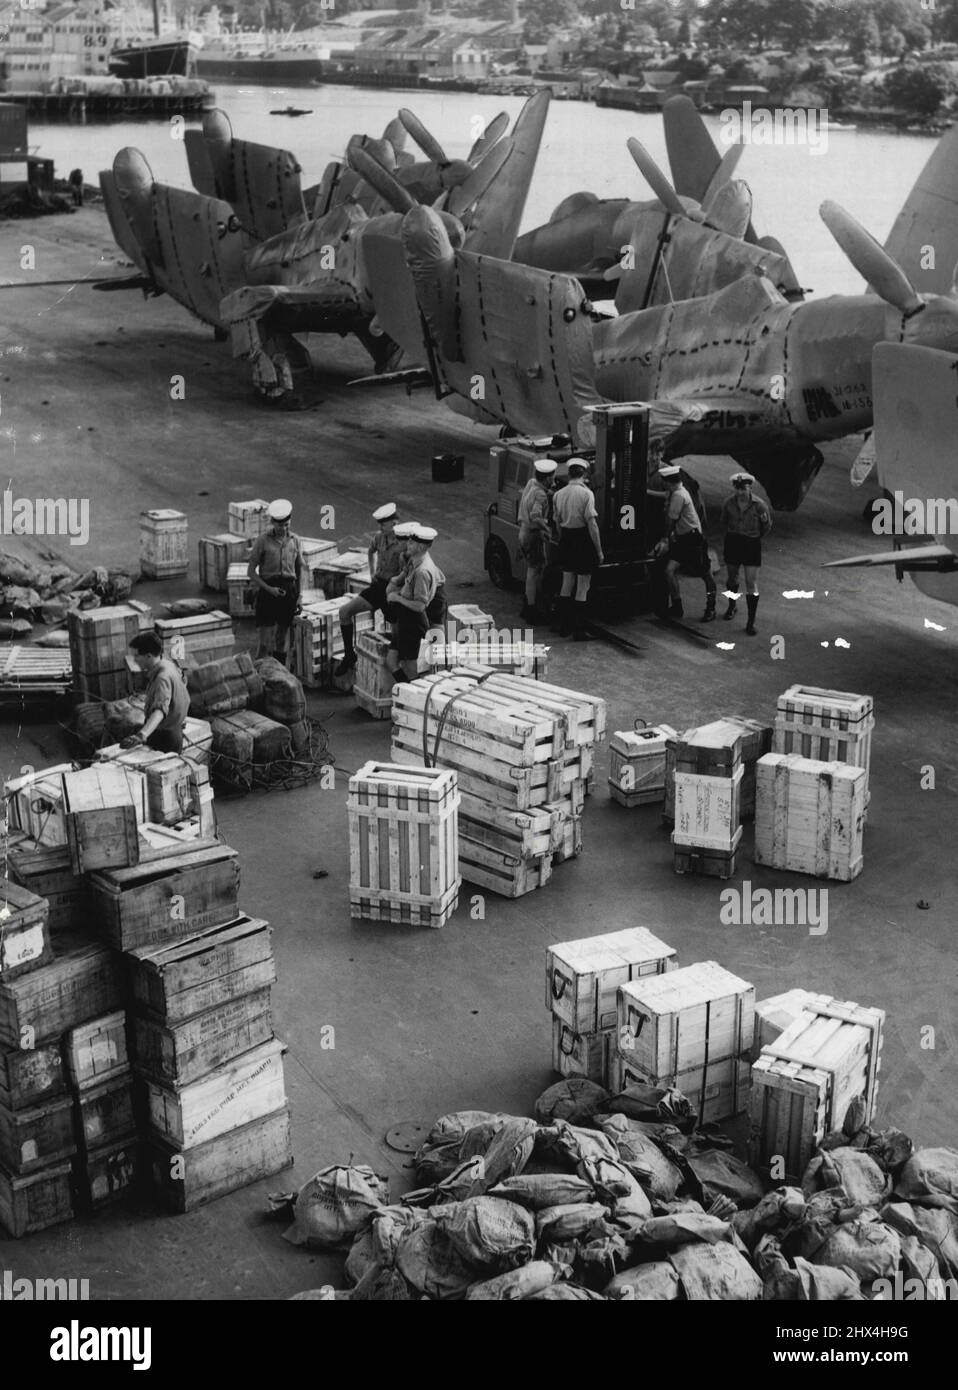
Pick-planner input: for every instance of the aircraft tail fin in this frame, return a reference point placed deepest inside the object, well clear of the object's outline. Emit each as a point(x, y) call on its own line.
point(260, 182)
point(494, 222)
point(924, 237)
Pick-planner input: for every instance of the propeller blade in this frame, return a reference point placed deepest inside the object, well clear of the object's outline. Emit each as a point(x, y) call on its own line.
point(871, 260)
point(395, 133)
point(656, 180)
point(723, 174)
point(429, 145)
point(459, 200)
point(381, 180)
point(730, 209)
point(494, 131)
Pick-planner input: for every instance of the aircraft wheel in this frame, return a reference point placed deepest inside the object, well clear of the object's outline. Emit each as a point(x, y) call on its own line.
point(497, 563)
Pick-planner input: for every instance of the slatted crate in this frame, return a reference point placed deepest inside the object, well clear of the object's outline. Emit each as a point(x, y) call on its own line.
point(35, 1202)
point(507, 875)
point(829, 726)
point(403, 844)
point(333, 571)
point(46, 870)
point(81, 982)
point(209, 1170)
point(680, 1021)
point(31, 1076)
point(756, 742)
point(775, 1014)
point(313, 553)
point(35, 805)
point(182, 1052)
point(637, 765)
point(24, 931)
point(241, 1090)
point(32, 1139)
point(716, 1090)
point(373, 684)
point(197, 640)
point(164, 552)
point(105, 1114)
point(810, 816)
point(172, 789)
point(570, 831)
point(466, 618)
point(34, 671)
point(583, 976)
point(104, 804)
point(529, 659)
point(316, 642)
point(174, 897)
point(249, 519)
point(106, 1174)
point(96, 1052)
point(240, 590)
point(582, 1054)
point(100, 644)
point(519, 834)
point(217, 555)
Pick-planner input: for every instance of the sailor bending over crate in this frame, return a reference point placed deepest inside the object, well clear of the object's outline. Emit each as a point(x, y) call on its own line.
point(275, 568)
point(416, 600)
point(386, 559)
point(167, 699)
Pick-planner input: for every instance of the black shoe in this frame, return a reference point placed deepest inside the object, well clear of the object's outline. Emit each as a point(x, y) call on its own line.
point(751, 603)
point(730, 610)
point(676, 610)
point(709, 615)
point(347, 664)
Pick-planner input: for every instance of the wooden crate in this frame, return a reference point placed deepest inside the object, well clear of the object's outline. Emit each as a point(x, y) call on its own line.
point(810, 816)
point(673, 1023)
point(717, 1090)
point(164, 547)
point(466, 617)
point(36, 1202)
point(528, 659)
point(34, 671)
point(829, 726)
point(774, 1015)
point(105, 1114)
point(104, 804)
point(373, 683)
point(504, 874)
point(81, 982)
point(707, 811)
point(96, 1052)
point(35, 1138)
point(209, 1170)
point(707, 863)
point(249, 519)
point(403, 844)
point(197, 640)
point(217, 554)
point(518, 834)
point(333, 571)
point(197, 741)
point(31, 1076)
point(183, 978)
point(24, 931)
point(316, 642)
point(314, 553)
point(584, 716)
point(241, 591)
point(756, 742)
point(637, 765)
point(582, 1054)
point(172, 792)
point(106, 1174)
point(46, 870)
point(841, 1038)
point(100, 638)
point(241, 1090)
point(180, 1053)
point(790, 1113)
point(174, 897)
point(35, 804)
point(583, 976)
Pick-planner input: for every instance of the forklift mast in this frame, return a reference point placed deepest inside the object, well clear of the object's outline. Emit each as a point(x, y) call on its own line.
point(620, 480)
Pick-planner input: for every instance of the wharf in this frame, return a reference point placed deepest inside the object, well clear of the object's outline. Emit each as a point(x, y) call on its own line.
point(432, 1021)
point(80, 107)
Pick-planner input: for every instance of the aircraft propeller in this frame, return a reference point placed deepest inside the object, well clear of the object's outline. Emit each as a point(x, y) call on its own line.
point(871, 260)
point(388, 187)
point(427, 142)
point(494, 131)
point(462, 197)
point(657, 181)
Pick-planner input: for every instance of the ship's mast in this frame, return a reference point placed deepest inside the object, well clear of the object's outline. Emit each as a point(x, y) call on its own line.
point(156, 18)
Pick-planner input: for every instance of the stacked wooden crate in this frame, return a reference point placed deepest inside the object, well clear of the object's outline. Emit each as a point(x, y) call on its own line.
point(197, 640)
point(47, 871)
point(708, 781)
point(828, 726)
point(38, 1139)
point(164, 548)
point(217, 555)
point(637, 764)
point(100, 645)
point(518, 745)
point(313, 553)
point(335, 569)
point(810, 816)
point(178, 789)
point(582, 982)
point(248, 519)
point(104, 805)
point(827, 1055)
point(35, 805)
point(101, 1080)
point(690, 1030)
point(373, 683)
point(404, 844)
point(316, 642)
point(34, 672)
point(515, 658)
point(241, 593)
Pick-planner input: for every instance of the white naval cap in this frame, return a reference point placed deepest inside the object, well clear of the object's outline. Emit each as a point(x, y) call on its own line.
point(545, 466)
point(578, 463)
point(424, 533)
point(280, 510)
point(671, 470)
point(385, 512)
point(741, 478)
point(405, 528)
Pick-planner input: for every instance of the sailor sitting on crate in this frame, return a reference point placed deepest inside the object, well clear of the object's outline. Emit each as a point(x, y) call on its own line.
point(385, 554)
point(416, 598)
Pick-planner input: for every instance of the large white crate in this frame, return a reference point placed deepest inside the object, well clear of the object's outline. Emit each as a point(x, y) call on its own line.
point(810, 816)
point(717, 1090)
point(830, 726)
point(316, 640)
point(216, 555)
point(164, 552)
point(674, 1023)
point(637, 765)
point(248, 518)
point(708, 810)
point(404, 844)
point(582, 1054)
point(583, 977)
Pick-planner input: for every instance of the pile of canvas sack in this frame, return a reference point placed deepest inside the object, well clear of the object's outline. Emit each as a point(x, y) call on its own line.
point(622, 1197)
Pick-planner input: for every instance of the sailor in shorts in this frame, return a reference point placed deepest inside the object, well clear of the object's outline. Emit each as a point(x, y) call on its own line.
point(385, 562)
point(746, 520)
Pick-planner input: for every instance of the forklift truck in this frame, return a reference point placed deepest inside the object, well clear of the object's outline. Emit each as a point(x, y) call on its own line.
point(631, 517)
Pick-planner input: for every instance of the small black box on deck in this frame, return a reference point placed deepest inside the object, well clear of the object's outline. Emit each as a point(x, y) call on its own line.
point(448, 468)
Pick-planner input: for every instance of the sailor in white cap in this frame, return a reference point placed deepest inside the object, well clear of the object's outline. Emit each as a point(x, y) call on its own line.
point(746, 520)
point(535, 532)
point(684, 543)
point(385, 556)
point(579, 552)
point(275, 568)
point(416, 601)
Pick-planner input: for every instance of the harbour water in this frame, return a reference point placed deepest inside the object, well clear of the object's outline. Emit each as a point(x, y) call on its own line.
point(868, 172)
